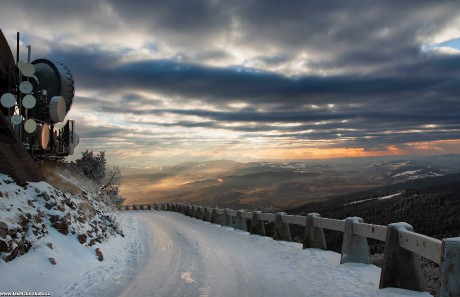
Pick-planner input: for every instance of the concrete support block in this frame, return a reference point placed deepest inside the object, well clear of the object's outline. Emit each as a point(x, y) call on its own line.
point(449, 269)
point(240, 222)
point(215, 217)
point(205, 214)
point(257, 225)
point(314, 236)
point(401, 267)
point(354, 248)
point(227, 220)
point(201, 213)
point(282, 230)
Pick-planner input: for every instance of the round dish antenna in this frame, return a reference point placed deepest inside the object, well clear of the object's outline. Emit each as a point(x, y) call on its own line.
point(57, 109)
point(27, 69)
point(56, 79)
point(26, 87)
point(30, 126)
point(16, 119)
point(8, 100)
point(43, 135)
point(29, 101)
point(76, 139)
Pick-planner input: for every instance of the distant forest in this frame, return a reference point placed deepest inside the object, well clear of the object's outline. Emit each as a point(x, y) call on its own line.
point(433, 210)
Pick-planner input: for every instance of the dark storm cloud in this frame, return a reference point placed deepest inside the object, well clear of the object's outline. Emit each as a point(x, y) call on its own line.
point(364, 58)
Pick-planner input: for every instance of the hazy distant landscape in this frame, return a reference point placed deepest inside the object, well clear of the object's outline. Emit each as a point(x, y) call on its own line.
point(278, 185)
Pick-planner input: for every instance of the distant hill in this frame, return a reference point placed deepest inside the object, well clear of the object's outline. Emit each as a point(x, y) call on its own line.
point(430, 205)
point(280, 185)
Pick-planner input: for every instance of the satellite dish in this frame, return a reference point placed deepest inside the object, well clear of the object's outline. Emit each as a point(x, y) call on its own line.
point(57, 109)
point(29, 101)
point(43, 135)
point(26, 87)
point(16, 119)
point(27, 69)
point(30, 126)
point(8, 100)
point(76, 139)
point(56, 79)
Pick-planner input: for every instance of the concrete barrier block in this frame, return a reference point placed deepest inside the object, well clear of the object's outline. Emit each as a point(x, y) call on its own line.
point(354, 248)
point(215, 217)
point(240, 222)
point(314, 236)
point(401, 267)
point(282, 230)
point(257, 225)
point(449, 269)
point(227, 220)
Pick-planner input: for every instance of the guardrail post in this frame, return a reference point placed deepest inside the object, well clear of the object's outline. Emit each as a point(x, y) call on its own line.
point(206, 214)
point(354, 247)
point(401, 267)
point(282, 230)
point(449, 269)
point(240, 222)
point(226, 219)
point(314, 236)
point(215, 219)
point(257, 226)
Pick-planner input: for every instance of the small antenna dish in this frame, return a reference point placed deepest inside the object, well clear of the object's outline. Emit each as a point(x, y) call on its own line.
point(8, 100)
point(76, 139)
point(30, 126)
point(57, 109)
point(27, 69)
point(26, 87)
point(43, 135)
point(16, 119)
point(29, 101)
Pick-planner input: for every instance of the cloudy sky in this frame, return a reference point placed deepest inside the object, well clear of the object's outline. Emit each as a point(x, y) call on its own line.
point(161, 82)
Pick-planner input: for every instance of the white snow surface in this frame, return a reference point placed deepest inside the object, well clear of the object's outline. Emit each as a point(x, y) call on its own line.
point(169, 254)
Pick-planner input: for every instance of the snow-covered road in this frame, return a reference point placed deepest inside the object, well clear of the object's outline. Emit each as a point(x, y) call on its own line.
point(182, 256)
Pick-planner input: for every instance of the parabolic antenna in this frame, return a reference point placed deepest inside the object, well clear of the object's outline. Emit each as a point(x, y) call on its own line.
point(76, 139)
point(29, 101)
point(8, 100)
point(26, 87)
point(27, 69)
point(16, 119)
point(30, 126)
point(43, 135)
point(56, 79)
point(57, 109)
